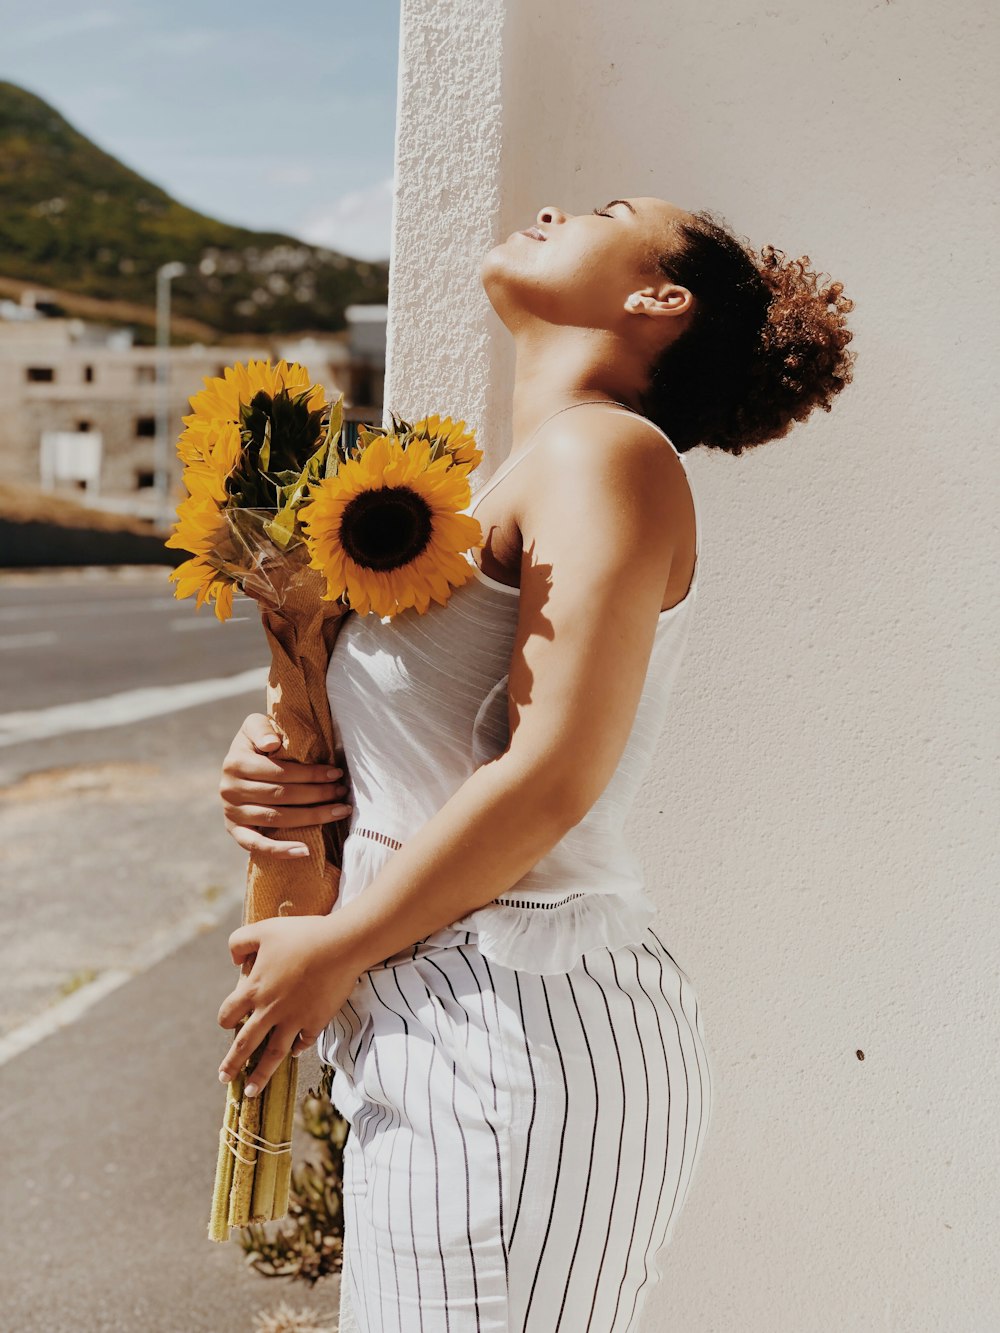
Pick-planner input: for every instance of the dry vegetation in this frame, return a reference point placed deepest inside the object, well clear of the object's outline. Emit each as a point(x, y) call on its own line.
point(27, 504)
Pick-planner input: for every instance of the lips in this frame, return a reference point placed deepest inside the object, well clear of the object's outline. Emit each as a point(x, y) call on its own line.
point(534, 232)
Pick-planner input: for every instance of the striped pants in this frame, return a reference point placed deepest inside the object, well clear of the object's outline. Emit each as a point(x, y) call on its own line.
point(520, 1146)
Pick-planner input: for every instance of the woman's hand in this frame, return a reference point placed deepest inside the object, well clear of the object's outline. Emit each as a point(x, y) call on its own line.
point(301, 976)
point(258, 788)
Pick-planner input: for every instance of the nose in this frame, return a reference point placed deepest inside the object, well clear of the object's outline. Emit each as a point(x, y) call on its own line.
point(550, 214)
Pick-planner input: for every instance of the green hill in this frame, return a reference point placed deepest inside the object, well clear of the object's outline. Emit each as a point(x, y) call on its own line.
point(75, 218)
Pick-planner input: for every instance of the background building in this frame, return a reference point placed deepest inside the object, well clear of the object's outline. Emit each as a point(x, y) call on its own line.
point(80, 398)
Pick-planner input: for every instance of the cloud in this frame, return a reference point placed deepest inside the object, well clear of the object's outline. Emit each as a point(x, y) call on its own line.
point(358, 224)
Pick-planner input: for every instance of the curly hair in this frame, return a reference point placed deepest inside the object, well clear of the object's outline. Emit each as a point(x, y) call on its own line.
point(765, 347)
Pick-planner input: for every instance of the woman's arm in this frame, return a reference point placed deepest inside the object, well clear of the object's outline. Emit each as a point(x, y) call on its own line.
point(597, 548)
point(598, 543)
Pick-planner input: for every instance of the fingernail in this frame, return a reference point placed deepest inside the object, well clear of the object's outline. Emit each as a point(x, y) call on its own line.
point(250, 1090)
point(223, 1076)
point(299, 851)
point(333, 772)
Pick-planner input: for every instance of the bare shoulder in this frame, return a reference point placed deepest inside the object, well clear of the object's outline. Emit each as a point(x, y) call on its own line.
point(609, 462)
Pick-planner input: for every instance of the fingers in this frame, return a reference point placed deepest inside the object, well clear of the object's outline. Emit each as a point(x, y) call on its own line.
point(238, 1004)
point(248, 764)
point(260, 792)
point(302, 1043)
point(254, 755)
point(277, 1047)
point(284, 816)
point(248, 758)
point(244, 941)
point(261, 732)
point(251, 1035)
point(243, 763)
point(238, 1008)
point(251, 840)
point(240, 791)
point(246, 818)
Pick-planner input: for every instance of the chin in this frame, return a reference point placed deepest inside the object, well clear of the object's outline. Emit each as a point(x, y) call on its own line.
point(507, 285)
point(493, 254)
point(493, 267)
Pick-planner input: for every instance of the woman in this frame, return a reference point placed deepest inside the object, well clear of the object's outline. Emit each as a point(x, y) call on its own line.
point(522, 1060)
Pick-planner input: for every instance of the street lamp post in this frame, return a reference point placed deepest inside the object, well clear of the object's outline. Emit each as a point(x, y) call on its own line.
point(164, 274)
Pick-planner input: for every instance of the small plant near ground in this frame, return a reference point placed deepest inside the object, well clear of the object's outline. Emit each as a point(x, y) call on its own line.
point(308, 1243)
point(286, 1320)
point(82, 977)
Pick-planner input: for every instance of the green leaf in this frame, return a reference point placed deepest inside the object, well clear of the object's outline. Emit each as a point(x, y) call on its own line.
point(298, 483)
point(264, 458)
point(334, 430)
point(281, 528)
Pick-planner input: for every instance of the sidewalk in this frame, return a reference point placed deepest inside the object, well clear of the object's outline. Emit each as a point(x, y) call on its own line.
point(110, 1130)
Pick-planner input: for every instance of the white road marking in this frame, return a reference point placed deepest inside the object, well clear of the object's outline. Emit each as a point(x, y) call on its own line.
point(65, 1011)
point(35, 640)
point(39, 611)
point(200, 622)
point(115, 710)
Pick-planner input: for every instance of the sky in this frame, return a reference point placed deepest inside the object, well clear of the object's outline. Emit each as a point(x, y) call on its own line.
point(267, 115)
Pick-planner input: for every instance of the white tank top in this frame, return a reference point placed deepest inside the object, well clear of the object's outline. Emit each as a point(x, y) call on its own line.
point(421, 701)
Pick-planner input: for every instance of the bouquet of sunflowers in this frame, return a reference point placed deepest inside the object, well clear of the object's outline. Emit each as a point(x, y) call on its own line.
point(281, 510)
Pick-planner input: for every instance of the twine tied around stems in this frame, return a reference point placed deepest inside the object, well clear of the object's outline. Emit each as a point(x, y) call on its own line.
point(274, 1146)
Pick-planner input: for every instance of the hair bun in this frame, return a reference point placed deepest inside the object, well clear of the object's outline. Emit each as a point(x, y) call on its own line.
point(765, 349)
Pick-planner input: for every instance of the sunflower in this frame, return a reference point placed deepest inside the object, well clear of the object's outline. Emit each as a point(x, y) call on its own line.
point(202, 530)
point(198, 575)
point(385, 529)
point(200, 525)
point(219, 453)
point(460, 443)
point(222, 398)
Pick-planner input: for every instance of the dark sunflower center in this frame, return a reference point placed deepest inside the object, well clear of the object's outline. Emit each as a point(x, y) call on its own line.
point(386, 528)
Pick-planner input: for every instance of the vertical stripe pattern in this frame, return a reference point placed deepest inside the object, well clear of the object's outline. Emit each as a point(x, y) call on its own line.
point(521, 1144)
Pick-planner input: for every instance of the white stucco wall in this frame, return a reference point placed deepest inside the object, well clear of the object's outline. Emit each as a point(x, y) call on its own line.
point(820, 834)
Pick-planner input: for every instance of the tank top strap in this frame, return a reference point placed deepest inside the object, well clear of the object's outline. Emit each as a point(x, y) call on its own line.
point(669, 441)
point(512, 460)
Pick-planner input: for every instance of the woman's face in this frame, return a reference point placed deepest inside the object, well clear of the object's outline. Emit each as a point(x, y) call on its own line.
point(585, 268)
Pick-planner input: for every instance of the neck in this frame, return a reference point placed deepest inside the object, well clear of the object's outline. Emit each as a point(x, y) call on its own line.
point(552, 372)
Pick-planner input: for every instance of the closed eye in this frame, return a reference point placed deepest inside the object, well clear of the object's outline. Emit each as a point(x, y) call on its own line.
point(601, 214)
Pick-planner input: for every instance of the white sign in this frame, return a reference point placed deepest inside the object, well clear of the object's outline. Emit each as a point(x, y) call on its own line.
point(68, 455)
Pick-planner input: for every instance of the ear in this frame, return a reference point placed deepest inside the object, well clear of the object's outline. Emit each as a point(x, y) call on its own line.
point(669, 299)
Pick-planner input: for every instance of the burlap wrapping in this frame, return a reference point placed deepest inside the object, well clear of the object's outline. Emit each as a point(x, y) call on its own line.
point(301, 634)
point(301, 629)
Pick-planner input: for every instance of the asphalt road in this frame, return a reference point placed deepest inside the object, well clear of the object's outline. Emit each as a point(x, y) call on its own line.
point(111, 832)
point(68, 638)
point(119, 887)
